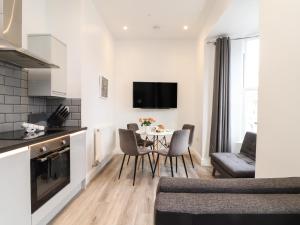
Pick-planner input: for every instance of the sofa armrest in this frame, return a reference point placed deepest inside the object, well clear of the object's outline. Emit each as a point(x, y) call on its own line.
point(242, 186)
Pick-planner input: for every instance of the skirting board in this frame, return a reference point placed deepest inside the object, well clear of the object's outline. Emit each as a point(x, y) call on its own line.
point(95, 170)
point(203, 161)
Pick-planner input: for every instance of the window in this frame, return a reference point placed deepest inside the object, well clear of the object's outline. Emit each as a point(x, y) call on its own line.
point(250, 85)
point(244, 89)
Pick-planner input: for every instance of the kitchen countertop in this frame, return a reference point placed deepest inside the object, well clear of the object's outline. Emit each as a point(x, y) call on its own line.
point(8, 145)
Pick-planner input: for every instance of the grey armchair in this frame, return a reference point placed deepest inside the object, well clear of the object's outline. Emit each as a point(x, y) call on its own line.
point(128, 145)
point(178, 145)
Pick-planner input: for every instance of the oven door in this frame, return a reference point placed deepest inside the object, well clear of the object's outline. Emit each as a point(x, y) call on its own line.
point(49, 174)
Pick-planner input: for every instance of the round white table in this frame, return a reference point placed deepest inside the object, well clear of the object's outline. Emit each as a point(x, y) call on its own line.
point(159, 139)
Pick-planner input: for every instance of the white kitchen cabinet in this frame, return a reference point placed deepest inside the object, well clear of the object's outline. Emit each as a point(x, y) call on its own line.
point(48, 82)
point(78, 157)
point(15, 202)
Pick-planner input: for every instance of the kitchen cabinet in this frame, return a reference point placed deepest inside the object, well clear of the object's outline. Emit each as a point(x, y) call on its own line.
point(78, 157)
point(48, 82)
point(15, 204)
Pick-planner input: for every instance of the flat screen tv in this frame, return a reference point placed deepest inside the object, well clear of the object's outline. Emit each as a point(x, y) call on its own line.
point(154, 95)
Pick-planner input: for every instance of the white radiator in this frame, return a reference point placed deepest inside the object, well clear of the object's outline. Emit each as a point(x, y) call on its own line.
point(104, 143)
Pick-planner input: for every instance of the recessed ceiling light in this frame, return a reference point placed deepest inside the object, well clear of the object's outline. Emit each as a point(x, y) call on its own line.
point(125, 28)
point(185, 27)
point(156, 27)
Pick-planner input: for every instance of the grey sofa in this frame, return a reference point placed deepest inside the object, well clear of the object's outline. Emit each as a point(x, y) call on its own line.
point(241, 165)
point(227, 201)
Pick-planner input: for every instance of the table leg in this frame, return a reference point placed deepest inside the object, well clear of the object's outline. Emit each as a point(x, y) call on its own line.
point(158, 167)
point(158, 173)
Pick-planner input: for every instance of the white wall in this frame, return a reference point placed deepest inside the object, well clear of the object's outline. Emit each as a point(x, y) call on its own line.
point(90, 54)
point(61, 19)
point(205, 61)
point(278, 150)
point(97, 58)
point(158, 61)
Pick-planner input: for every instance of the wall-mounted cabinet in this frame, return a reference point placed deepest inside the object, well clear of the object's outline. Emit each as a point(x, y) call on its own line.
point(48, 82)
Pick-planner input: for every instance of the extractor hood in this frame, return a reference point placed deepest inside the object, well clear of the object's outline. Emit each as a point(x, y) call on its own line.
point(11, 51)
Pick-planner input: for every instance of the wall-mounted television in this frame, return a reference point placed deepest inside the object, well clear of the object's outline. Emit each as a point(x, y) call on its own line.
point(154, 95)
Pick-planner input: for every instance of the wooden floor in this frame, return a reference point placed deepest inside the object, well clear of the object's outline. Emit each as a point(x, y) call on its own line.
point(109, 201)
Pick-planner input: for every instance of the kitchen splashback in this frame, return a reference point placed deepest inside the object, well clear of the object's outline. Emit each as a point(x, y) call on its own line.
point(15, 104)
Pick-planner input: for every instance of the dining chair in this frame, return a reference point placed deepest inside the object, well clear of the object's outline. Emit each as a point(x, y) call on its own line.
point(140, 141)
point(191, 128)
point(178, 146)
point(128, 144)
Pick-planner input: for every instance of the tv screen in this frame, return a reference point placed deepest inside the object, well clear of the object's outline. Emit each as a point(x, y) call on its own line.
point(154, 95)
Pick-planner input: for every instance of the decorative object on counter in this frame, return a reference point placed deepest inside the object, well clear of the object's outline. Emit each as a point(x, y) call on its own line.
point(32, 128)
point(146, 123)
point(103, 86)
point(59, 116)
point(160, 128)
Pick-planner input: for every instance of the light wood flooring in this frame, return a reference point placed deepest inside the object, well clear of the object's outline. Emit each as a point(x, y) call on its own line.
point(109, 201)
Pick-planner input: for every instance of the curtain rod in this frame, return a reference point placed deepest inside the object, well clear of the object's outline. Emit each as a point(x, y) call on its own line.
point(235, 39)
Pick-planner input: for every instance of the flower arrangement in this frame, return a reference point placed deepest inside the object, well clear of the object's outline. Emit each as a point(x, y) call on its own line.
point(146, 121)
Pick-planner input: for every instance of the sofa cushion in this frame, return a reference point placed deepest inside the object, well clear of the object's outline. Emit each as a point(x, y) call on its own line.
point(249, 145)
point(237, 165)
point(242, 186)
point(229, 209)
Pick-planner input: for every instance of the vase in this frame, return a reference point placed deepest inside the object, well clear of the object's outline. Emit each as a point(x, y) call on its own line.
point(146, 129)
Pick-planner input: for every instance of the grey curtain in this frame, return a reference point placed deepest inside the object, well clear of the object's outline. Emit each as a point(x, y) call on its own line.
point(220, 126)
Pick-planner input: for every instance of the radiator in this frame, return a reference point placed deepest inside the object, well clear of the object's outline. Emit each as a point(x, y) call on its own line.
point(104, 143)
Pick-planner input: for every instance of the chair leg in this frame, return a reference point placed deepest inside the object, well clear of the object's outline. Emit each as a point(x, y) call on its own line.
point(128, 159)
point(153, 156)
point(150, 164)
point(122, 166)
point(166, 160)
point(155, 164)
point(184, 166)
point(176, 164)
point(171, 164)
point(135, 164)
point(142, 163)
point(191, 157)
point(214, 172)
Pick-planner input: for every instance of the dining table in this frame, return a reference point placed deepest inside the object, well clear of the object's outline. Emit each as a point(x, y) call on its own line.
point(159, 139)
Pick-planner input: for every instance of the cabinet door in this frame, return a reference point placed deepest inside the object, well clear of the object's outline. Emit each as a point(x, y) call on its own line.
point(15, 203)
point(78, 157)
point(59, 76)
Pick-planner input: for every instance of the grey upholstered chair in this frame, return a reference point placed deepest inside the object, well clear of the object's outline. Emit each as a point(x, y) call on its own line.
point(140, 141)
point(178, 146)
point(128, 144)
point(191, 128)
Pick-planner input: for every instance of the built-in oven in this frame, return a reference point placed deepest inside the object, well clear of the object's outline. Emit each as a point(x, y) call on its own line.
point(50, 169)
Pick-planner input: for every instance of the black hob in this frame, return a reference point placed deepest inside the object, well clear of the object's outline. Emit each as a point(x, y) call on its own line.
point(22, 135)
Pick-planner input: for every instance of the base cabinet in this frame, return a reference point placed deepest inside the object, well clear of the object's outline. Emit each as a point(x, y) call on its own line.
point(15, 202)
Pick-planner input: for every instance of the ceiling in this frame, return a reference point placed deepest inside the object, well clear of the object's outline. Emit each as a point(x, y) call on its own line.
point(239, 20)
point(152, 19)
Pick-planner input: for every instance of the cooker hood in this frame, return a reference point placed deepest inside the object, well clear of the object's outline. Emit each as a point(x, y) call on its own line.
point(11, 51)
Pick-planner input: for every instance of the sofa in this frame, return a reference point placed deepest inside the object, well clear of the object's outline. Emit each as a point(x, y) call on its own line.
point(237, 165)
point(247, 201)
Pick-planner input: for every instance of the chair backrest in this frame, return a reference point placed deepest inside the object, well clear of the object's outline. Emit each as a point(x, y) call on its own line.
point(192, 129)
point(134, 127)
point(128, 143)
point(179, 142)
point(249, 145)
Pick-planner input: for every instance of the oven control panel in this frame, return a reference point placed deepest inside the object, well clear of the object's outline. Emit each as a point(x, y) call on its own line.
point(49, 146)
